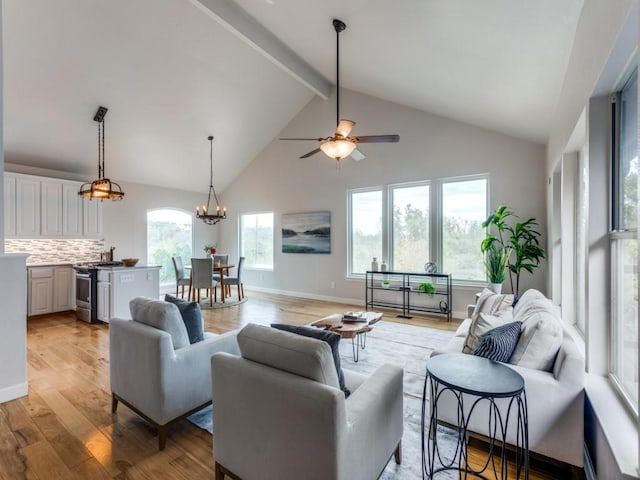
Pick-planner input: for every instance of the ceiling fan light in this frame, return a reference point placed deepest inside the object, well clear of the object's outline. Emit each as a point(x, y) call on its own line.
point(338, 149)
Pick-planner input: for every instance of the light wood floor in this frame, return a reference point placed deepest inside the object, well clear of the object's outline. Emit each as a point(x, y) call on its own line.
point(64, 428)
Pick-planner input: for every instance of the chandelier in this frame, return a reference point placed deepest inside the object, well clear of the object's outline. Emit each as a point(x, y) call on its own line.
point(220, 213)
point(102, 187)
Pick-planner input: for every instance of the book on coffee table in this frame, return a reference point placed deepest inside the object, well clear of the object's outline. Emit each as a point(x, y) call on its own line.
point(354, 317)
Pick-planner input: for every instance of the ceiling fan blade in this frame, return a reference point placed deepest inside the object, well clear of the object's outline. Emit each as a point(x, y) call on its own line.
point(317, 139)
point(344, 128)
point(377, 139)
point(357, 155)
point(312, 152)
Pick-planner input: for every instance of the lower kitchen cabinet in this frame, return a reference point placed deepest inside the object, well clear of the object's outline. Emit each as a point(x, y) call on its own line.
point(50, 289)
point(104, 299)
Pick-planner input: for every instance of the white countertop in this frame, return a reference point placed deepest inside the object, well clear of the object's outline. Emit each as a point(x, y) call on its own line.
point(122, 267)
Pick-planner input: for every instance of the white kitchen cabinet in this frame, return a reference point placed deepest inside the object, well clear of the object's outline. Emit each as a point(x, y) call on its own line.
point(51, 208)
point(9, 205)
point(71, 210)
point(40, 293)
point(27, 206)
point(92, 217)
point(50, 289)
point(63, 295)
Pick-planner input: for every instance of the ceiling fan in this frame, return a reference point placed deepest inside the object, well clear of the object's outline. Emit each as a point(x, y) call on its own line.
point(340, 144)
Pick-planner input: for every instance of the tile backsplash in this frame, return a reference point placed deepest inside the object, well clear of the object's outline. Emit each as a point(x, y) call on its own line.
point(52, 251)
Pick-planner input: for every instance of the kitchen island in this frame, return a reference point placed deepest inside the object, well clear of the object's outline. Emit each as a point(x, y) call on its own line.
point(117, 285)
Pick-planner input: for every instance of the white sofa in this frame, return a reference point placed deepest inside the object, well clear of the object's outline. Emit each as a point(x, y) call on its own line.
point(555, 398)
point(279, 412)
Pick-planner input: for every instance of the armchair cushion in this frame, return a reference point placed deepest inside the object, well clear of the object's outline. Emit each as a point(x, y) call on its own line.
point(306, 357)
point(161, 315)
point(332, 338)
point(191, 316)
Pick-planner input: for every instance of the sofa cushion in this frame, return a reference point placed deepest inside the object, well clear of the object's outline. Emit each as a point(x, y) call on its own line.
point(482, 324)
point(541, 335)
point(332, 338)
point(491, 303)
point(191, 316)
point(161, 315)
point(498, 344)
point(303, 356)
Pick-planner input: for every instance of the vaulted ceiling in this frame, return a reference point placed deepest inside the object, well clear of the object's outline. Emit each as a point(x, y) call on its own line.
point(173, 72)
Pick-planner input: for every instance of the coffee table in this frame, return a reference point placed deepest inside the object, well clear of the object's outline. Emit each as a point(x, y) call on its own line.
point(355, 330)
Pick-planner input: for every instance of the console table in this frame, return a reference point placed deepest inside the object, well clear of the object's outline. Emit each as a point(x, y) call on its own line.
point(478, 385)
point(400, 290)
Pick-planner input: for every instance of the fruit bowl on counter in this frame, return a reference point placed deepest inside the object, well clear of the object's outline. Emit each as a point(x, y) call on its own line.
point(130, 262)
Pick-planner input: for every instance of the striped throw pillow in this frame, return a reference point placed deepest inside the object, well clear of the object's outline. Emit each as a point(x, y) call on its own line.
point(498, 344)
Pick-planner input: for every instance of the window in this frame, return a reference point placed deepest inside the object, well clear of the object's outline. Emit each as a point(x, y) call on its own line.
point(409, 227)
point(464, 208)
point(365, 229)
point(256, 240)
point(169, 234)
point(405, 234)
point(624, 243)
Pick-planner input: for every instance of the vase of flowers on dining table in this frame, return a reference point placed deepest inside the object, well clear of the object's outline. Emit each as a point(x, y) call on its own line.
point(210, 249)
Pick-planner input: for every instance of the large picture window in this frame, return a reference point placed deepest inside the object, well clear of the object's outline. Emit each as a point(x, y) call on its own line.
point(464, 208)
point(624, 244)
point(396, 223)
point(256, 240)
point(365, 229)
point(169, 234)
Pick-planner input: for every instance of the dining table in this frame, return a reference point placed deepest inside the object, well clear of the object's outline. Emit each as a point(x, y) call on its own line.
point(222, 269)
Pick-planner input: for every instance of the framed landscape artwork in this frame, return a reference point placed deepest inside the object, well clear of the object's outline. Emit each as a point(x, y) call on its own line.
point(306, 232)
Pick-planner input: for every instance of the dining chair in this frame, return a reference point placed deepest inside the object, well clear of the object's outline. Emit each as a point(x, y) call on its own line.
point(201, 269)
point(220, 259)
point(237, 280)
point(181, 280)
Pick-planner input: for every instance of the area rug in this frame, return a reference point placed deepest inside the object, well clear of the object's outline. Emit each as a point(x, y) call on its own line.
point(408, 347)
point(205, 304)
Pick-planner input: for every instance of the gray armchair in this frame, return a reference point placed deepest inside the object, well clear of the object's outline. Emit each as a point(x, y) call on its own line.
point(280, 414)
point(155, 371)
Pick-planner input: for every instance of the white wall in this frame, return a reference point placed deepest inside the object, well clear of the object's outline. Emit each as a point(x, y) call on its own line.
point(125, 222)
point(431, 147)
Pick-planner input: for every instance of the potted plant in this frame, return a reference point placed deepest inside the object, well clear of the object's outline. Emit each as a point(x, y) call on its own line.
point(210, 249)
point(384, 283)
point(496, 261)
point(519, 241)
point(427, 287)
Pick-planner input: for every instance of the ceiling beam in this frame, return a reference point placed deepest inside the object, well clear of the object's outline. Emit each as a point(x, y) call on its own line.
point(237, 21)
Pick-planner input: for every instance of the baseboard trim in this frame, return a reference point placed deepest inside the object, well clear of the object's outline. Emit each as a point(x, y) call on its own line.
point(289, 293)
point(13, 392)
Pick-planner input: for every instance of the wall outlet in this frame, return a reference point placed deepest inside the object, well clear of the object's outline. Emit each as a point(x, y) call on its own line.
point(332, 285)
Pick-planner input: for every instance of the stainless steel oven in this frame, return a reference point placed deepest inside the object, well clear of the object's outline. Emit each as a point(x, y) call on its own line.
point(86, 293)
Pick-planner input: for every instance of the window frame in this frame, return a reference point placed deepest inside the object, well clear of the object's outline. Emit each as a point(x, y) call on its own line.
point(349, 216)
point(247, 265)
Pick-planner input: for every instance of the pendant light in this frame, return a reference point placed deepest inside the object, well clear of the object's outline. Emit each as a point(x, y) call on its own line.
point(102, 187)
point(220, 213)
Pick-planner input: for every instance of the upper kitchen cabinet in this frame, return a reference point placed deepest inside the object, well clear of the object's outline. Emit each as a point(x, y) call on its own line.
point(38, 207)
point(27, 206)
point(92, 222)
point(10, 206)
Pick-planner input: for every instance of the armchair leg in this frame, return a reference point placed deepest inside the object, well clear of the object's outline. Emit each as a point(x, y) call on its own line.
point(398, 453)
point(162, 437)
point(114, 402)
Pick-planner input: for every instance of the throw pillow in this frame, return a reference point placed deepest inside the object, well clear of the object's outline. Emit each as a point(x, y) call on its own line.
point(332, 338)
point(491, 303)
point(191, 316)
point(161, 315)
point(541, 335)
point(482, 324)
point(498, 344)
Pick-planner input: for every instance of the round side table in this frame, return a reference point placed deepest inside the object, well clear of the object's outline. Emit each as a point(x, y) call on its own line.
point(476, 383)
